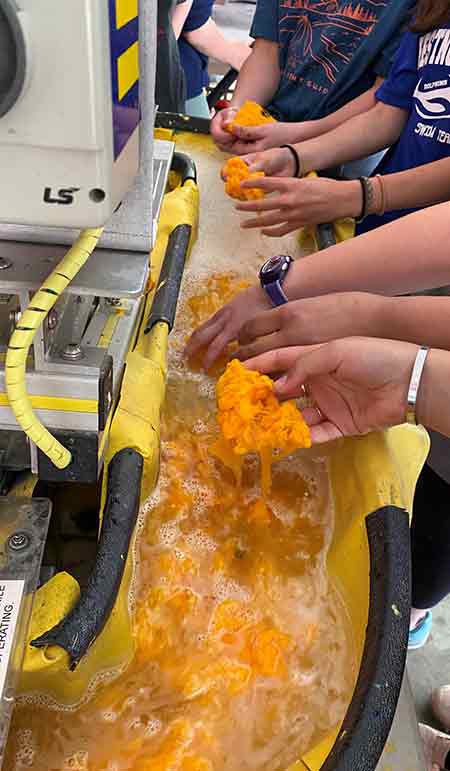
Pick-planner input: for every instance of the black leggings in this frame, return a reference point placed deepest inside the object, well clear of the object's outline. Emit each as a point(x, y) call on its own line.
point(430, 541)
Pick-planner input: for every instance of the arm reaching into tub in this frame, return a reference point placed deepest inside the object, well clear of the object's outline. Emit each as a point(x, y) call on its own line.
point(356, 138)
point(294, 203)
point(405, 256)
point(330, 317)
point(361, 385)
point(255, 139)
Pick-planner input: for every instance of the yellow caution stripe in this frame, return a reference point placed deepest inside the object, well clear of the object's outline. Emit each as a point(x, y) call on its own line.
point(128, 70)
point(57, 404)
point(126, 10)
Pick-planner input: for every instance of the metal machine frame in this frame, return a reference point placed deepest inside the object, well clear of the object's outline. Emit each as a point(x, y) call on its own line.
point(78, 357)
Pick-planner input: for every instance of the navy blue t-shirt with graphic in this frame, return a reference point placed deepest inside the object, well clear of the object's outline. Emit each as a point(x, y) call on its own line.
point(420, 84)
point(331, 51)
point(195, 64)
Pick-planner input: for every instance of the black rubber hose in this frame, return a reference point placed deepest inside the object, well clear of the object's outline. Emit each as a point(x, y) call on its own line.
point(325, 236)
point(222, 88)
point(81, 627)
point(183, 165)
point(369, 718)
point(164, 306)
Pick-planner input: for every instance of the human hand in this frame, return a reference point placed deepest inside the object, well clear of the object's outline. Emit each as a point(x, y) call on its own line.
point(211, 338)
point(314, 320)
point(256, 139)
point(275, 163)
point(294, 203)
point(358, 384)
point(223, 139)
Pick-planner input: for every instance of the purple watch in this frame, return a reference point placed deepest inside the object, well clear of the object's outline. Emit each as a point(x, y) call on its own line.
point(272, 274)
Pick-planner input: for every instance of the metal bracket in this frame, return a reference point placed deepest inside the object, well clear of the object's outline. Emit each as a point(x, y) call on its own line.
point(24, 531)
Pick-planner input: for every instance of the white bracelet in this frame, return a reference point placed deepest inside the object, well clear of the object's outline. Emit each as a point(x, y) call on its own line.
point(414, 384)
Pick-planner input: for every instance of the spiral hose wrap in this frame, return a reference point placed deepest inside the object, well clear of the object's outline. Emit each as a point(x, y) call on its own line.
point(22, 340)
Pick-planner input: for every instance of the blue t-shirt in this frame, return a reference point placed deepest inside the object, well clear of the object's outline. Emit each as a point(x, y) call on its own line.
point(419, 83)
point(331, 51)
point(195, 64)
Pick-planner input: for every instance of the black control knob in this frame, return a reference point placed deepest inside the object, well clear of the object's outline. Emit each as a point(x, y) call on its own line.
point(12, 56)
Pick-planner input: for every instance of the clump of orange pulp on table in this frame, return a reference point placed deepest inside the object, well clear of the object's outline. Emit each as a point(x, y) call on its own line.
point(235, 172)
point(250, 114)
point(253, 420)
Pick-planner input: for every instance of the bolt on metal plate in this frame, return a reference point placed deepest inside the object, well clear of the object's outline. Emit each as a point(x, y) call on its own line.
point(19, 541)
point(72, 352)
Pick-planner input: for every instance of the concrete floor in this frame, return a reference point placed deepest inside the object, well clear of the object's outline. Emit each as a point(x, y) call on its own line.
point(429, 667)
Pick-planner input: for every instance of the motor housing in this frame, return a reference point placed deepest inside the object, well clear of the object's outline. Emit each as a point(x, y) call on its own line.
point(69, 110)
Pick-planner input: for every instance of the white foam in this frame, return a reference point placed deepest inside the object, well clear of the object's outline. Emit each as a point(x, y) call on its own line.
point(228, 589)
point(25, 756)
point(154, 726)
point(198, 540)
point(168, 534)
point(109, 716)
point(79, 761)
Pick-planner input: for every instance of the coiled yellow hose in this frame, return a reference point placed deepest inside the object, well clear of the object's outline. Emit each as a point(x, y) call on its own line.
point(22, 339)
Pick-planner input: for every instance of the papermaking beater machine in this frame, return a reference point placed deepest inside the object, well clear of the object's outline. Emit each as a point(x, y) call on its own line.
point(71, 124)
point(80, 171)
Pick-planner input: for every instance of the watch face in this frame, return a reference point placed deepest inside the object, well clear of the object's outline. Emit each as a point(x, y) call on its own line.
point(274, 268)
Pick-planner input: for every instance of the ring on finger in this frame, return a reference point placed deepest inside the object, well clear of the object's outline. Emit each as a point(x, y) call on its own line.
point(319, 413)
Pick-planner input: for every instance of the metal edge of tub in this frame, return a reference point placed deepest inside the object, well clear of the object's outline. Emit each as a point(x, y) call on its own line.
point(178, 122)
point(366, 726)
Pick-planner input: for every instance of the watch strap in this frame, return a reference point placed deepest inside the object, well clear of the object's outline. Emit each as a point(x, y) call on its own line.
point(275, 293)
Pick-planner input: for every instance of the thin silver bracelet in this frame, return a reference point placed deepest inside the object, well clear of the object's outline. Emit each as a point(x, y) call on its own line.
point(414, 384)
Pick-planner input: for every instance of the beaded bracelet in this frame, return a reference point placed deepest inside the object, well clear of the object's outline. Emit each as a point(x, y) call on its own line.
point(383, 195)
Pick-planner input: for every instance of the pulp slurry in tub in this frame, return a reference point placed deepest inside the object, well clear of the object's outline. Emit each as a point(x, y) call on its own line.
point(243, 653)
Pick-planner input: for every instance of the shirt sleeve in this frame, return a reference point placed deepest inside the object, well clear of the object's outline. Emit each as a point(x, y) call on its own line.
point(198, 15)
point(397, 20)
point(398, 89)
point(265, 21)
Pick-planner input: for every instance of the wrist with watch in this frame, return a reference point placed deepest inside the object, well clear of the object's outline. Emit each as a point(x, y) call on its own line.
point(272, 275)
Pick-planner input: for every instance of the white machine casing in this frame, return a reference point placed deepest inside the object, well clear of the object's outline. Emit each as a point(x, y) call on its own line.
point(57, 152)
point(83, 117)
